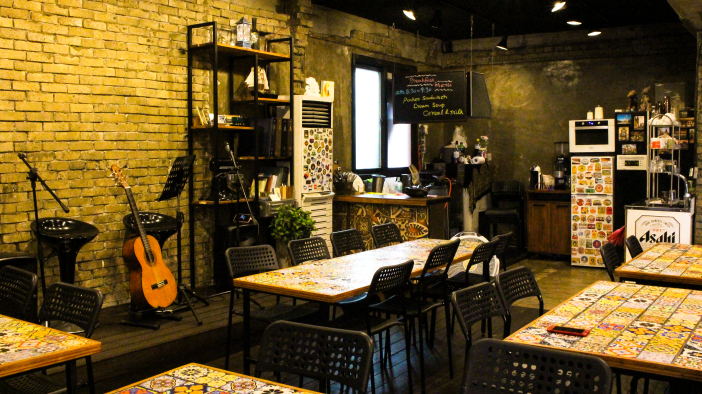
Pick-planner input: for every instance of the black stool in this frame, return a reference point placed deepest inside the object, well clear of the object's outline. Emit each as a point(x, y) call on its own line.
point(66, 237)
point(156, 225)
point(508, 208)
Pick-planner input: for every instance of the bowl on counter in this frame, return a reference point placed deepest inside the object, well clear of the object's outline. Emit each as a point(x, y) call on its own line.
point(415, 192)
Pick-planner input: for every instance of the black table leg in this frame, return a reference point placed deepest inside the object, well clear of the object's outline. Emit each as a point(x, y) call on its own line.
point(71, 377)
point(247, 332)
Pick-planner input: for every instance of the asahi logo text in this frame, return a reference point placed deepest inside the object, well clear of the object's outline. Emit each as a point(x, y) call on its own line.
point(655, 229)
point(652, 239)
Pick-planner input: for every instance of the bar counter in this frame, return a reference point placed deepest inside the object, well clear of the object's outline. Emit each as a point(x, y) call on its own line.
point(417, 217)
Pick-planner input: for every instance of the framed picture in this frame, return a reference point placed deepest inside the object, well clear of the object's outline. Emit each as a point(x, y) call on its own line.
point(200, 117)
point(636, 136)
point(623, 118)
point(639, 122)
point(623, 134)
point(629, 149)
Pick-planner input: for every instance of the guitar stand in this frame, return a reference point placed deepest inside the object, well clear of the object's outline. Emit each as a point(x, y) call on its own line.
point(135, 317)
point(177, 178)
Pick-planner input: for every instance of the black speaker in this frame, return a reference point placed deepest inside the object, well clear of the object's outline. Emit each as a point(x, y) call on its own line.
point(27, 262)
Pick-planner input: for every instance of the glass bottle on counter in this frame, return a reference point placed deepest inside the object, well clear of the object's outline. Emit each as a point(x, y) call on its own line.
point(255, 41)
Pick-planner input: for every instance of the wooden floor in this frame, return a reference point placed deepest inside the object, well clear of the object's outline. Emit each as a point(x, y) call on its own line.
point(131, 354)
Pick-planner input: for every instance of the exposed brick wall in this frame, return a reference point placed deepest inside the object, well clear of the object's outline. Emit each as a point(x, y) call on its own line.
point(85, 84)
point(698, 100)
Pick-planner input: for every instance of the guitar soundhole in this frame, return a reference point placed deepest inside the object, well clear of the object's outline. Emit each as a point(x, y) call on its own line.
point(159, 284)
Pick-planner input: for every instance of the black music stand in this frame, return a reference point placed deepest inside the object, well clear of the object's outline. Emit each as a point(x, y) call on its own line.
point(177, 178)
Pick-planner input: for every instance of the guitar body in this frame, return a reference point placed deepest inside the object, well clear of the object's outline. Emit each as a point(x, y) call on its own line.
point(151, 285)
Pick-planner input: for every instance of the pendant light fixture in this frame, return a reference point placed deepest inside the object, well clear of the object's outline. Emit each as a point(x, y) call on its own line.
point(503, 43)
point(409, 10)
point(594, 32)
point(558, 6)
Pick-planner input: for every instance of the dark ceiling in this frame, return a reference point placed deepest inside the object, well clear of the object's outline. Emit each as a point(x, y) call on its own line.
point(513, 17)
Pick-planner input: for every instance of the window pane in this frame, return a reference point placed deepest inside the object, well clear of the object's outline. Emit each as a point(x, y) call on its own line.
point(399, 146)
point(367, 117)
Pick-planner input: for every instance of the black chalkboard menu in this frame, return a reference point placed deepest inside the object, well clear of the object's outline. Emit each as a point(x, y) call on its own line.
point(429, 97)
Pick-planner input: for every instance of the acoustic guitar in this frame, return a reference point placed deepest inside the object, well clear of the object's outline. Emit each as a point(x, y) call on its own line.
point(151, 283)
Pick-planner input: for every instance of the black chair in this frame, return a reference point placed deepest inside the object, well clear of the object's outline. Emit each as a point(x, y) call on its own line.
point(308, 249)
point(249, 260)
point(68, 303)
point(416, 306)
point(517, 284)
point(386, 280)
point(436, 287)
point(634, 246)
point(322, 353)
point(475, 304)
point(611, 258)
point(386, 234)
point(501, 248)
point(508, 367)
point(17, 289)
point(482, 254)
point(347, 242)
point(507, 208)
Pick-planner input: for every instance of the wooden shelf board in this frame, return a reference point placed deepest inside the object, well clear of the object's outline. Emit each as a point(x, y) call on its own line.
point(251, 158)
point(243, 52)
point(264, 101)
point(223, 127)
point(208, 202)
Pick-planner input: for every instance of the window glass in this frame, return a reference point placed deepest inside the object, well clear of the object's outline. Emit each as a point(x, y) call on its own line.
point(367, 118)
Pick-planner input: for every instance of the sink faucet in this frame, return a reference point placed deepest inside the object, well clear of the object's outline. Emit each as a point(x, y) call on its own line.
point(684, 181)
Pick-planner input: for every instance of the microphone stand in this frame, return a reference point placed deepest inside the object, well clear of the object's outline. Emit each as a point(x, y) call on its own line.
point(33, 177)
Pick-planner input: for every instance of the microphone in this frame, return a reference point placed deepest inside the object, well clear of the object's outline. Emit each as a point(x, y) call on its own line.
point(231, 154)
point(22, 156)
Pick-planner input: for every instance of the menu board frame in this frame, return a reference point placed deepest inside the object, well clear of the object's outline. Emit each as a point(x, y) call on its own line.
point(430, 97)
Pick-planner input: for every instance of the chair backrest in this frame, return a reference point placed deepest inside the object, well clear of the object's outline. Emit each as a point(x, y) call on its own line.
point(509, 192)
point(390, 278)
point(17, 288)
point(442, 254)
point(496, 366)
point(501, 248)
point(308, 249)
point(72, 304)
point(482, 254)
point(386, 234)
point(634, 246)
point(516, 284)
point(476, 303)
point(249, 260)
point(347, 242)
point(317, 352)
point(611, 258)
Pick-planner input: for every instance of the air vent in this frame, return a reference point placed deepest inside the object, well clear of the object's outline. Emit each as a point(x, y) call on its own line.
point(316, 114)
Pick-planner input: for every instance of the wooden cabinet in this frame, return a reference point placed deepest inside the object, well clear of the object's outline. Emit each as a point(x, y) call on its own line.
point(548, 221)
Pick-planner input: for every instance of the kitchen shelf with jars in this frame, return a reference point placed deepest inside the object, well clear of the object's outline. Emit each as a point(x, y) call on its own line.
point(233, 124)
point(668, 185)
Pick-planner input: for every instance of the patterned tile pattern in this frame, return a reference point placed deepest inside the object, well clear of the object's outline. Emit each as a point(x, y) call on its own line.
point(668, 259)
point(340, 275)
point(627, 320)
point(200, 379)
point(20, 340)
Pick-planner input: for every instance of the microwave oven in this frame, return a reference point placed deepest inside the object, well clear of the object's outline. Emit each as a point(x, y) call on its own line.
point(592, 136)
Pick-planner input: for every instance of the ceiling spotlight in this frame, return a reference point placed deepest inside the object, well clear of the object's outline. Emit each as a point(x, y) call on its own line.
point(594, 32)
point(558, 6)
point(574, 23)
point(436, 21)
point(503, 43)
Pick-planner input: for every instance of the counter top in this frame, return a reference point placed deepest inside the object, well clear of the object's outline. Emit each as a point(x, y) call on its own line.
point(641, 205)
point(391, 199)
point(545, 191)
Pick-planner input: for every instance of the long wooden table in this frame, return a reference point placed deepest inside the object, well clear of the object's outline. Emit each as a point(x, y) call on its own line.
point(330, 281)
point(25, 347)
point(196, 378)
point(648, 329)
point(666, 263)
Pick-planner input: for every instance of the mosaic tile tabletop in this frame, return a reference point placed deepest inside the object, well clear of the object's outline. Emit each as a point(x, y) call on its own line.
point(666, 262)
point(25, 346)
point(645, 328)
point(200, 379)
point(335, 279)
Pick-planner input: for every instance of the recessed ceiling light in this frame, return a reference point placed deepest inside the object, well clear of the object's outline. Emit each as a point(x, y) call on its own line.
point(595, 32)
point(574, 23)
point(558, 6)
point(410, 14)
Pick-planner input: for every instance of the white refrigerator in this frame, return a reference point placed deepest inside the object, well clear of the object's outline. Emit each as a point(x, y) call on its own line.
point(592, 208)
point(313, 160)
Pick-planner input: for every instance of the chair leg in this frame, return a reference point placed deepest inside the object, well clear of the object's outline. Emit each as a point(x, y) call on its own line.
point(91, 378)
point(388, 353)
point(432, 329)
point(646, 382)
point(634, 385)
point(447, 309)
point(408, 342)
point(421, 316)
point(380, 349)
point(619, 383)
point(508, 324)
point(489, 327)
point(229, 331)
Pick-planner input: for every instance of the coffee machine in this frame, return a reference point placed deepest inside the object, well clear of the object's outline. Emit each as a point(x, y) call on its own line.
point(561, 166)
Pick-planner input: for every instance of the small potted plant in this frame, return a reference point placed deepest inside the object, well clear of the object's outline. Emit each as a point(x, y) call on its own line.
point(290, 223)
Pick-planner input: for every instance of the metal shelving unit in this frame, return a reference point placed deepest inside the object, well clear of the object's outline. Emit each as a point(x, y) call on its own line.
point(215, 53)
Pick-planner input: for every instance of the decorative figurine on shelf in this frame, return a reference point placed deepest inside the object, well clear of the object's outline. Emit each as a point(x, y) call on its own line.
point(243, 33)
point(312, 87)
point(633, 101)
point(645, 100)
point(255, 39)
point(263, 88)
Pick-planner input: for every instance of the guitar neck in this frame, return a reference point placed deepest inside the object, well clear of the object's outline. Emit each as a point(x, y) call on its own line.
point(140, 227)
